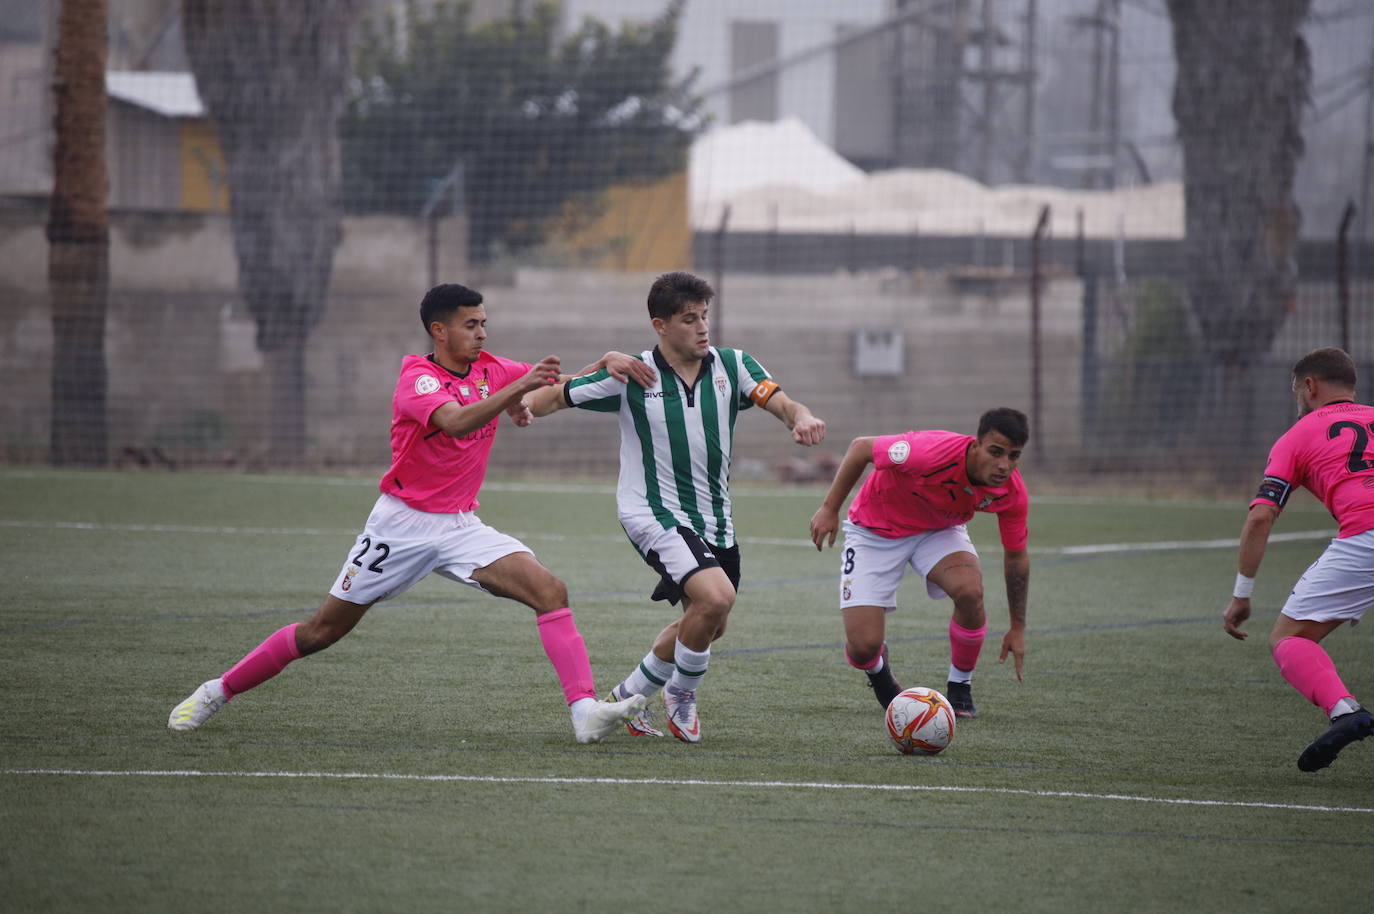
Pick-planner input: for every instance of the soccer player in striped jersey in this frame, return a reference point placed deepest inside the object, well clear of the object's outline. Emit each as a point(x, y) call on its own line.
point(911, 511)
point(1327, 451)
point(445, 410)
point(673, 497)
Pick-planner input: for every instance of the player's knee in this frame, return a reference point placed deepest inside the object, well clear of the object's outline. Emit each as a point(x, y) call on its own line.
point(551, 594)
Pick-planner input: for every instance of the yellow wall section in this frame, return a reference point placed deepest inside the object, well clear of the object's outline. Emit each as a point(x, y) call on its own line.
point(204, 176)
point(644, 228)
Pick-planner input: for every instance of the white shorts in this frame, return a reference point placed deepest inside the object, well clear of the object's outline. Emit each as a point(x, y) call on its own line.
point(1338, 585)
point(678, 554)
point(400, 545)
point(872, 566)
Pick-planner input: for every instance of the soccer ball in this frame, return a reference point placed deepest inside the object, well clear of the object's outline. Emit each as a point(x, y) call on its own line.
point(920, 721)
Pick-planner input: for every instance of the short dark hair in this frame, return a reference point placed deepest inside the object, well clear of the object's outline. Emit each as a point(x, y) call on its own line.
point(671, 292)
point(1335, 366)
point(1011, 423)
point(440, 302)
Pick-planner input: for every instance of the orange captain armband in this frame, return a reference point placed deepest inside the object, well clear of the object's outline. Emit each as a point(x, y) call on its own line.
point(763, 391)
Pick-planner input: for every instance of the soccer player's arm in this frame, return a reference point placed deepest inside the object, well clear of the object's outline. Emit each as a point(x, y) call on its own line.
point(1016, 569)
point(456, 420)
point(826, 521)
point(622, 367)
point(1269, 501)
point(806, 429)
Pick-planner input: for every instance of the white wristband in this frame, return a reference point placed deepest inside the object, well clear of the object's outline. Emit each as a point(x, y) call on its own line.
point(1244, 588)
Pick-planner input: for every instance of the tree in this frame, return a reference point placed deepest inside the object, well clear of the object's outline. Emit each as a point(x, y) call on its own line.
point(273, 75)
point(539, 124)
point(1243, 76)
point(79, 238)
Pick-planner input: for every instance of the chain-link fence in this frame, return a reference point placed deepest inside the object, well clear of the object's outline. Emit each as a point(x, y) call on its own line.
point(912, 211)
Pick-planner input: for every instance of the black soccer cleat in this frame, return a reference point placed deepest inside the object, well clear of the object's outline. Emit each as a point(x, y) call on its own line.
point(960, 695)
point(1343, 731)
point(884, 685)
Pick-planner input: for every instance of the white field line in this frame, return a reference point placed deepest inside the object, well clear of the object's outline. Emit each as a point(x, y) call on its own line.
point(679, 782)
point(1086, 549)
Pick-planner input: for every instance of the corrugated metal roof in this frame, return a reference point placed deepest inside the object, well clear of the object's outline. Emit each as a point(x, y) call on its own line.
point(169, 94)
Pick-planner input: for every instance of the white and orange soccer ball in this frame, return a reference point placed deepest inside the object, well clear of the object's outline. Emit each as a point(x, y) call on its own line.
point(920, 721)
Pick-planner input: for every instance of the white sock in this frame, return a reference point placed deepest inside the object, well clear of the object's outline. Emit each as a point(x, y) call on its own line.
point(690, 666)
point(958, 675)
point(1344, 706)
point(580, 708)
point(651, 675)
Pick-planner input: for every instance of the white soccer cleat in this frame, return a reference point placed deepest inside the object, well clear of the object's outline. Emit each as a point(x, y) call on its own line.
point(208, 698)
point(605, 716)
point(680, 708)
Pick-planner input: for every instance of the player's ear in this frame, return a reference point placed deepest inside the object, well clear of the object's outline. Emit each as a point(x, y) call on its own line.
point(659, 325)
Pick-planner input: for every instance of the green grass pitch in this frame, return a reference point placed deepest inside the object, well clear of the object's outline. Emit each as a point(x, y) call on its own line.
point(426, 762)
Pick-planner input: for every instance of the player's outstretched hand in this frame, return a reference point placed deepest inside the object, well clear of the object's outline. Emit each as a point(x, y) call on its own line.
point(543, 374)
point(808, 430)
point(627, 368)
point(1014, 643)
point(520, 414)
point(1236, 614)
point(824, 523)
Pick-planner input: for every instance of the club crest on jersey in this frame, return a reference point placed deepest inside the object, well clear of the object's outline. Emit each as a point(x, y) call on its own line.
point(987, 500)
point(721, 384)
point(347, 581)
point(483, 389)
point(898, 451)
point(465, 390)
point(426, 384)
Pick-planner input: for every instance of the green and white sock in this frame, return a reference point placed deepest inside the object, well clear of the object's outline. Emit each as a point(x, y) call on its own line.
point(647, 678)
point(691, 666)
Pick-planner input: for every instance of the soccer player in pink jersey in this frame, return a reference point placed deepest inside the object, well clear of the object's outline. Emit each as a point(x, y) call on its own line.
point(912, 510)
point(444, 415)
point(1327, 451)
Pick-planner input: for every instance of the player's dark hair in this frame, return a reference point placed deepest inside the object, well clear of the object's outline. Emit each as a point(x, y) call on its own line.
point(1335, 366)
point(671, 292)
point(1011, 423)
point(440, 302)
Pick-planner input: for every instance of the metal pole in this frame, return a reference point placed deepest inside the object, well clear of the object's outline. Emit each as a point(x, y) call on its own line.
point(718, 321)
point(1343, 272)
point(1037, 439)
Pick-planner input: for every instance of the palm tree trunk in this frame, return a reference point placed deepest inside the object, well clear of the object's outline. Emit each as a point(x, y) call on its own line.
point(79, 239)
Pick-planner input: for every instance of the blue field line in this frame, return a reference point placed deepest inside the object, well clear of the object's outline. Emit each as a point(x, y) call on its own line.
point(1064, 832)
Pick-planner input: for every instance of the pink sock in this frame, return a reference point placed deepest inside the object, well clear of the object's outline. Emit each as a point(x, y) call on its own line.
point(1308, 668)
point(869, 667)
point(262, 662)
point(568, 654)
point(965, 644)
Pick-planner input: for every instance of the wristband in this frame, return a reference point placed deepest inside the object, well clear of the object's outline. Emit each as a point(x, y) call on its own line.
point(1245, 587)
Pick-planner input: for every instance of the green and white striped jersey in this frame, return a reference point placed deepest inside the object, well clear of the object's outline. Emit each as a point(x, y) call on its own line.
point(675, 440)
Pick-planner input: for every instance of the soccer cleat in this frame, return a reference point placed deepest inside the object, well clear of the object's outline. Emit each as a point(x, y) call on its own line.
point(639, 725)
point(1343, 731)
point(604, 716)
point(960, 695)
point(208, 698)
point(680, 709)
point(884, 685)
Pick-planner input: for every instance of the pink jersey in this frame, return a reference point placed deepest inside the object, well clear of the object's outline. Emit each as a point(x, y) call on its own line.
point(1327, 451)
point(431, 471)
point(919, 483)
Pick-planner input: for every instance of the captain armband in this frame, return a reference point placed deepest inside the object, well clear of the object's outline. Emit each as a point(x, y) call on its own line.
point(1275, 489)
point(763, 391)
